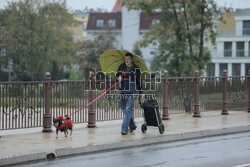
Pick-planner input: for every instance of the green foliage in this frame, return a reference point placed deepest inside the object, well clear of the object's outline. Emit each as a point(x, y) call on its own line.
point(76, 76)
point(3, 76)
point(37, 34)
point(137, 50)
point(180, 33)
point(56, 73)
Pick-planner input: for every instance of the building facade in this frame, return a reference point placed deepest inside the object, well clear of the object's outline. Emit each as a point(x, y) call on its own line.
point(233, 45)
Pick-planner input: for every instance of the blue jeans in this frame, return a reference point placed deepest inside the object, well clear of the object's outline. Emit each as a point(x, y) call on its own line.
point(127, 106)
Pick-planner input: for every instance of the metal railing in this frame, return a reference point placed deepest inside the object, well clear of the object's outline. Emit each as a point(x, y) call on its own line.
point(68, 96)
point(22, 104)
point(34, 104)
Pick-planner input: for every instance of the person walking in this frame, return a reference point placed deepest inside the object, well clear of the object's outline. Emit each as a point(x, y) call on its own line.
point(130, 79)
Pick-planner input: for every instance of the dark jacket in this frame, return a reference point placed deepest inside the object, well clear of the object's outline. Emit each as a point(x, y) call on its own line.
point(134, 83)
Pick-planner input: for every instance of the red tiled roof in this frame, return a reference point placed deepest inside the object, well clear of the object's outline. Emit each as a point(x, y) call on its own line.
point(146, 21)
point(93, 17)
point(118, 6)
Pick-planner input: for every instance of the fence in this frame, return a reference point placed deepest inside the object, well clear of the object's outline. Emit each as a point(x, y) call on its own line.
point(34, 104)
point(22, 104)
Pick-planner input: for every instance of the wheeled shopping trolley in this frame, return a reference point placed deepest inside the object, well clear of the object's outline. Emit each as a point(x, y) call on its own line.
point(152, 115)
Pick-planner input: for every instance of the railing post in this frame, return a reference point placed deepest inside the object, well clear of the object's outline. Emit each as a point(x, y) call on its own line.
point(197, 103)
point(165, 115)
point(248, 86)
point(91, 107)
point(225, 100)
point(47, 115)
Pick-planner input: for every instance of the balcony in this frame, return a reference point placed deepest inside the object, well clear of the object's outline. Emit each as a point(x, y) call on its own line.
point(233, 33)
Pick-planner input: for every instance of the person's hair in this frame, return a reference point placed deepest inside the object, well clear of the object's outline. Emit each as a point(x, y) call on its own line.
point(130, 55)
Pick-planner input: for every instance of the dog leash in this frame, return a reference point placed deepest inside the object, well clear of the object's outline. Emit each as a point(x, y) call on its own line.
point(97, 97)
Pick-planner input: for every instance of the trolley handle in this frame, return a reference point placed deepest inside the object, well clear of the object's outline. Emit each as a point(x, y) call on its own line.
point(152, 98)
point(140, 102)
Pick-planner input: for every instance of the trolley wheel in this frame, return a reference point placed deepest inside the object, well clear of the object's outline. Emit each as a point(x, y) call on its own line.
point(161, 129)
point(144, 128)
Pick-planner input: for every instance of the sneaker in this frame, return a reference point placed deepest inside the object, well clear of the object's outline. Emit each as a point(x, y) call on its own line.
point(124, 133)
point(132, 129)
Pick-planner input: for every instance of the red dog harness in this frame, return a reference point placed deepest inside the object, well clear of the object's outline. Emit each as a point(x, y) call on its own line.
point(66, 123)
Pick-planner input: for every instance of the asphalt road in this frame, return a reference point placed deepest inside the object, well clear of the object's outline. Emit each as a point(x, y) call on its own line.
point(221, 151)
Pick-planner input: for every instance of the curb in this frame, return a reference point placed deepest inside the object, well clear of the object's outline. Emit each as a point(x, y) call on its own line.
point(109, 146)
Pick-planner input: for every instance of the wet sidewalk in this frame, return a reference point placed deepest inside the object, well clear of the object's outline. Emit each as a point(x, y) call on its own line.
point(31, 144)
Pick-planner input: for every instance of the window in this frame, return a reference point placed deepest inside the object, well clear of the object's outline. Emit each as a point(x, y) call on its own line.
point(240, 49)
point(112, 23)
point(227, 49)
point(246, 27)
point(236, 70)
point(99, 23)
point(3, 51)
point(206, 38)
point(215, 26)
point(223, 66)
point(152, 52)
point(247, 67)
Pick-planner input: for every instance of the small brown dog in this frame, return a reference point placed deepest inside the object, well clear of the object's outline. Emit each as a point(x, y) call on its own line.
point(63, 124)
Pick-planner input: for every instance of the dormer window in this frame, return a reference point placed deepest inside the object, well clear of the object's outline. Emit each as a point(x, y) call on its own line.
point(99, 23)
point(246, 27)
point(112, 23)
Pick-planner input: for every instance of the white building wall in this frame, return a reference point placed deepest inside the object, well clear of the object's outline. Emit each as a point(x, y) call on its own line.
point(220, 49)
point(242, 69)
point(234, 49)
point(229, 71)
point(130, 28)
point(247, 48)
point(148, 56)
point(239, 25)
point(217, 72)
point(131, 34)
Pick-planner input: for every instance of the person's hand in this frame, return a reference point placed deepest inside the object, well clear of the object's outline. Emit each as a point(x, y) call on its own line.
point(142, 96)
point(119, 78)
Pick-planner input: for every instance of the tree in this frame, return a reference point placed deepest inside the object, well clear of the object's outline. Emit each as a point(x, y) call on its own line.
point(37, 34)
point(137, 50)
point(90, 50)
point(180, 33)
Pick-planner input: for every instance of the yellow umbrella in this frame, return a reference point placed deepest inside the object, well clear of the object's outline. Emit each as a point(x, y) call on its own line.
point(110, 60)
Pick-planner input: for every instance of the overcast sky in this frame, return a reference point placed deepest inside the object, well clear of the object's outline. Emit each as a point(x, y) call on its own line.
point(108, 4)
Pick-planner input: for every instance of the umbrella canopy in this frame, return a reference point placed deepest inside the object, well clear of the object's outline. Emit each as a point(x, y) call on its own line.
point(110, 61)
